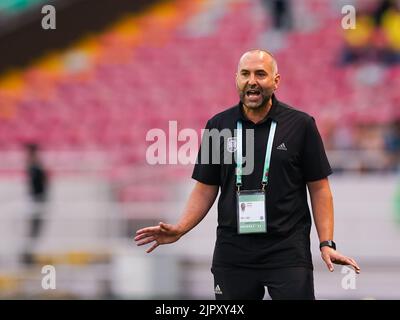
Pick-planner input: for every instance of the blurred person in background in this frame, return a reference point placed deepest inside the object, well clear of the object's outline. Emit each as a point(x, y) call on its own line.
point(392, 148)
point(280, 13)
point(391, 30)
point(276, 254)
point(376, 37)
point(392, 145)
point(359, 41)
point(38, 189)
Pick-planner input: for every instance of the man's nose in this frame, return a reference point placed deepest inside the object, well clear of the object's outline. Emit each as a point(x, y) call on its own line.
point(252, 80)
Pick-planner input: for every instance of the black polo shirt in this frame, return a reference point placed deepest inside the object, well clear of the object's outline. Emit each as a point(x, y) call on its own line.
point(298, 156)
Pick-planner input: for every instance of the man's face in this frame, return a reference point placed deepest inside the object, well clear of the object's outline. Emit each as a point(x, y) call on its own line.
point(256, 79)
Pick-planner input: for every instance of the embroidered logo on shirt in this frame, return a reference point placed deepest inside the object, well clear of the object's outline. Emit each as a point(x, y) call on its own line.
point(231, 144)
point(282, 147)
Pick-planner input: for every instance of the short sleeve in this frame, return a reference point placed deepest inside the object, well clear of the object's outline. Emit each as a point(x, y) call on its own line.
point(315, 163)
point(205, 171)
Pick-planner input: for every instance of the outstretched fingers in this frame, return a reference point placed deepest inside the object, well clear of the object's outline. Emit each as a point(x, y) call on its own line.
point(146, 241)
point(152, 234)
point(354, 264)
point(147, 230)
point(152, 247)
point(343, 260)
point(144, 235)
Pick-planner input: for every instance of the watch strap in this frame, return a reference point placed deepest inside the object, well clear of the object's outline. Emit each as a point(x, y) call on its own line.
point(328, 243)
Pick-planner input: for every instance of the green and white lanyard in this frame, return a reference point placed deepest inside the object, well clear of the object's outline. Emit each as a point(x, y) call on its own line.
point(239, 155)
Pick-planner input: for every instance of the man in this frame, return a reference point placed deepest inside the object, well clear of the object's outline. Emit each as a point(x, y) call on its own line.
point(280, 13)
point(36, 173)
point(268, 244)
point(38, 188)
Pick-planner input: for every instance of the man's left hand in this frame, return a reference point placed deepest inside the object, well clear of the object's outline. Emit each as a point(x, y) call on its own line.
point(331, 256)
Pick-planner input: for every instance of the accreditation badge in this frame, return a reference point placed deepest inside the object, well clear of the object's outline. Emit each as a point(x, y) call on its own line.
point(251, 212)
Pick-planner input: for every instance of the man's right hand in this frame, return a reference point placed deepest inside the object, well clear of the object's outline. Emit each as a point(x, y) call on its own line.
point(162, 234)
point(200, 201)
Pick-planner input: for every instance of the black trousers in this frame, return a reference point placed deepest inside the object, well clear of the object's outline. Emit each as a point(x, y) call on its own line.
point(249, 284)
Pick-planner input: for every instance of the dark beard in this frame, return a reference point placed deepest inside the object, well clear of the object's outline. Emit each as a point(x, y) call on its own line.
point(264, 101)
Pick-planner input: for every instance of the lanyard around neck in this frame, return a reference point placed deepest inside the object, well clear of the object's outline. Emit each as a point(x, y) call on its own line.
point(239, 154)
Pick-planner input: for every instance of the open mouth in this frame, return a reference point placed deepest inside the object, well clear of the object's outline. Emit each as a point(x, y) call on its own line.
point(253, 93)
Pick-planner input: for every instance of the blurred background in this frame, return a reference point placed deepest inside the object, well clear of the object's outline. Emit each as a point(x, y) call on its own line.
point(76, 104)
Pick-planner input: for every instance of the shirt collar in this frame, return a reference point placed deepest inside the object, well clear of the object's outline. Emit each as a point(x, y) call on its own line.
point(271, 114)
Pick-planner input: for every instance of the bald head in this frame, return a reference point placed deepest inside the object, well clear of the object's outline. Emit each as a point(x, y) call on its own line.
point(261, 55)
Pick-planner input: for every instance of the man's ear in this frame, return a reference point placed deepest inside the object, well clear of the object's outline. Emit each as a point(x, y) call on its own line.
point(277, 80)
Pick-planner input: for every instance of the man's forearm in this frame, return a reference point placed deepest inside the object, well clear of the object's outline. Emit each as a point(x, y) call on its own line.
point(322, 207)
point(199, 203)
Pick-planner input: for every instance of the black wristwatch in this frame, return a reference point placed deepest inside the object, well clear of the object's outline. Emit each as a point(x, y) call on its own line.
point(328, 243)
